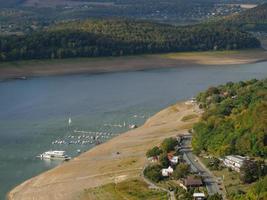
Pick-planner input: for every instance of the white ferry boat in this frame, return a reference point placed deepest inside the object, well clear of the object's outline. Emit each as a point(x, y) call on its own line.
point(53, 155)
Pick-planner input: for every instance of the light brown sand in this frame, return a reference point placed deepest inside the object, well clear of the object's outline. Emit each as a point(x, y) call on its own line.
point(130, 63)
point(102, 164)
point(221, 57)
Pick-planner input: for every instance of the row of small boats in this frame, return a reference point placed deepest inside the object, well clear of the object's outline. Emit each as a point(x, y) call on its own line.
point(87, 137)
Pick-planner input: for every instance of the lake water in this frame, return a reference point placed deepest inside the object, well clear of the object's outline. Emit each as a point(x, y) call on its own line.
point(35, 112)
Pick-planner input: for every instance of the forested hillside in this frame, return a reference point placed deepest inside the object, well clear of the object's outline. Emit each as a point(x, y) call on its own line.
point(120, 37)
point(234, 121)
point(252, 19)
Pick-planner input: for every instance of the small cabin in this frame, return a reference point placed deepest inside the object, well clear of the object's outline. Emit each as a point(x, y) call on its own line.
point(191, 182)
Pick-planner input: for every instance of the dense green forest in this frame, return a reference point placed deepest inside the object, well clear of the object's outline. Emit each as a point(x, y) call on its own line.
point(258, 191)
point(234, 119)
point(254, 19)
point(120, 37)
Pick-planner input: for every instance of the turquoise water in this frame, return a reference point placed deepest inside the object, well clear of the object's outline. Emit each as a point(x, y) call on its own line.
point(35, 112)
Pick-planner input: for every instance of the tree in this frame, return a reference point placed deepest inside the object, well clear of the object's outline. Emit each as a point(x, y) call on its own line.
point(258, 191)
point(181, 171)
point(164, 161)
point(169, 144)
point(93, 38)
point(248, 172)
point(153, 172)
point(236, 124)
point(155, 151)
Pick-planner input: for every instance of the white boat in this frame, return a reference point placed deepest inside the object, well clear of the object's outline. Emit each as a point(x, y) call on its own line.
point(133, 126)
point(53, 155)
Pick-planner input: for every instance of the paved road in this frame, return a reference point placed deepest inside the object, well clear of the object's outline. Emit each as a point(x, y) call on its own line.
point(199, 168)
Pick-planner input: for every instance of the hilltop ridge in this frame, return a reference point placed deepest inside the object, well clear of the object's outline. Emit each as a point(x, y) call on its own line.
point(251, 19)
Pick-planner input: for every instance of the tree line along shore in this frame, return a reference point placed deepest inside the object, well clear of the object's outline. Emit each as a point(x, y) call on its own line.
point(96, 38)
point(120, 37)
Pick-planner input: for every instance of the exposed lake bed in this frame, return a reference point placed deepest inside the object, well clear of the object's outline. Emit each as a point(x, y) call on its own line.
point(22, 70)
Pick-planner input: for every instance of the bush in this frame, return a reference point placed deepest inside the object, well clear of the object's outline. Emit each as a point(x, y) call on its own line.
point(214, 164)
point(182, 194)
point(215, 197)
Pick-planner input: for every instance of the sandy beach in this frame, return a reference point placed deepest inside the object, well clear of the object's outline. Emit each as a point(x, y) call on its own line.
point(121, 158)
point(12, 70)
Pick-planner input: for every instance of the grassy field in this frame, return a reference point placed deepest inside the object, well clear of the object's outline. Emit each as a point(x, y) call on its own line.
point(231, 181)
point(46, 62)
point(134, 189)
point(189, 117)
point(167, 184)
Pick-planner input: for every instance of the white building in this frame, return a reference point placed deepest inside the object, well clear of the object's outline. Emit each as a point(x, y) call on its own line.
point(174, 160)
point(235, 162)
point(199, 196)
point(167, 171)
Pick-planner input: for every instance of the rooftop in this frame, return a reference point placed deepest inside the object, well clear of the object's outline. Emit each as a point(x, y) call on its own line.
point(235, 158)
point(193, 181)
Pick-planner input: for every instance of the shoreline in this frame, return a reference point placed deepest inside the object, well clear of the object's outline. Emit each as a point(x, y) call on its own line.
point(102, 164)
point(36, 68)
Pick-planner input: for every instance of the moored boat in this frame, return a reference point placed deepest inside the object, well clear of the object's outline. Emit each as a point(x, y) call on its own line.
point(53, 155)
